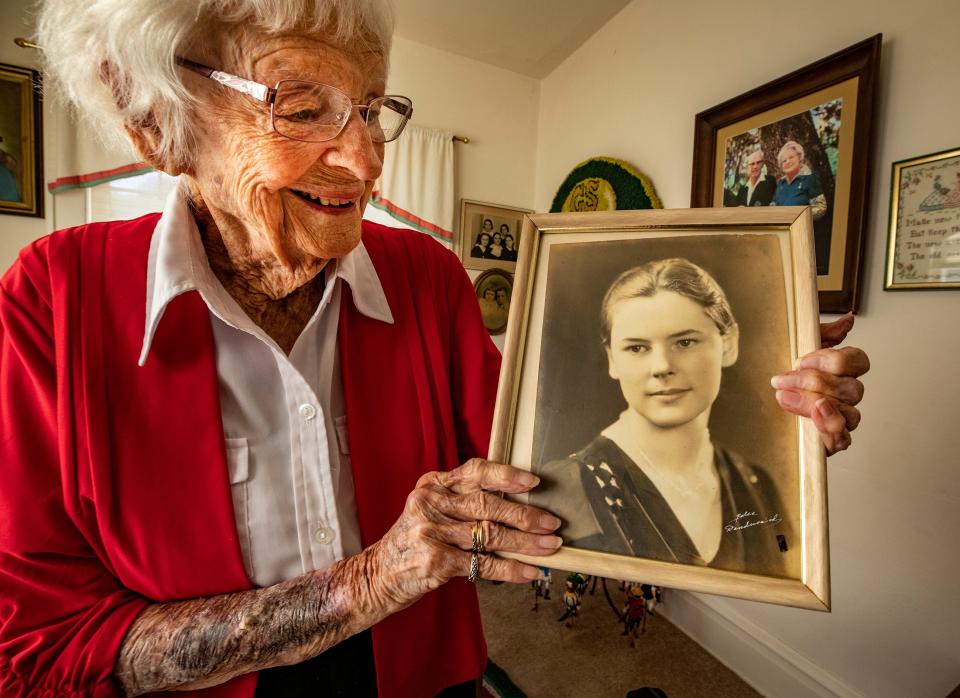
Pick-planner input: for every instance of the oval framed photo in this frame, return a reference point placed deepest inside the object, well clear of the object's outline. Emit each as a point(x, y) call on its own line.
point(494, 289)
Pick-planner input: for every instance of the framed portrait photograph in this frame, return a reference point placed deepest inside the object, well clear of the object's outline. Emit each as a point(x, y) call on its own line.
point(636, 385)
point(489, 235)
point(494, 289)
point(802, 140)
point(923, 249)
point(21, 142)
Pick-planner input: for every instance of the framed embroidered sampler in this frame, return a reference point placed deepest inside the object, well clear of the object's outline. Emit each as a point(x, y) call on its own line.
point(636, 385)
point(923, 247)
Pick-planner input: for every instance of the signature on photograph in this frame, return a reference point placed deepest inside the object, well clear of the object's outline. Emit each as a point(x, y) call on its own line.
point(749, 519)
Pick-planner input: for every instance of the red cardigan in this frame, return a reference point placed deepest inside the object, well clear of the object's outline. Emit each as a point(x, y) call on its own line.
point(114, 490)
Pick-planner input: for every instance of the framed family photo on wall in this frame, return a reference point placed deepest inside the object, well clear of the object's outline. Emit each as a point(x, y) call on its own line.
point(636, 386)
point(489, 235)
point(21, 142)
point(494, 289)
point(802, 140)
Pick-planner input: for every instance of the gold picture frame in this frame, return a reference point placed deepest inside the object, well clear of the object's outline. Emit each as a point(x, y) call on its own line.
point(478, 218)
point(21, 142)
point(923, 246)
point(555, 392)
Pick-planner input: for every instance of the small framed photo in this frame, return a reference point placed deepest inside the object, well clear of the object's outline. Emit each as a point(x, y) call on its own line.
point(636, 385)
point(489, 235)
point(923, 248)
point(802, 140)
point(21, 142)
point(494, 289)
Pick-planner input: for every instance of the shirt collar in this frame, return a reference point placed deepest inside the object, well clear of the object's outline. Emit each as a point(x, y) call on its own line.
point(177, 263)
point(804, 171)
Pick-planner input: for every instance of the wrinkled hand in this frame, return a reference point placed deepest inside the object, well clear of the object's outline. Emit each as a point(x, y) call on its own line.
point(824, 387)
point(430, 542)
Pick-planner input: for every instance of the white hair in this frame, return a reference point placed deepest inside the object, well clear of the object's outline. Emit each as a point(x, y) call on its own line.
point(114, 60)
point(795, 147)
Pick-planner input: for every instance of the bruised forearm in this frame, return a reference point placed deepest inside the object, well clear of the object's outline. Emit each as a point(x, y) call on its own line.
point(203, 642)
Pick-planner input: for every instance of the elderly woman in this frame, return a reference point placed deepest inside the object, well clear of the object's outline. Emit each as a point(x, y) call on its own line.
point(799, 185)
point(230, 433)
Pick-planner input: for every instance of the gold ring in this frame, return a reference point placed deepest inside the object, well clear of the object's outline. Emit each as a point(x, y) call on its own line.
point(474, 568)
point(479, 538)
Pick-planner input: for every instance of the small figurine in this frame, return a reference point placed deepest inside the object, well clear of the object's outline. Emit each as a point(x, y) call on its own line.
point(652, 596)
point(580, 583)
point(634, 615)
point(571, 597)
point(541, 587)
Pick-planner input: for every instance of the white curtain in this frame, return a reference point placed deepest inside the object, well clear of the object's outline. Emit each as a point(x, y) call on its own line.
point(416, 187)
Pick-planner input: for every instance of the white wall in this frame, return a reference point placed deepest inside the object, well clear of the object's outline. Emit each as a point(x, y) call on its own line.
point(495, 108)
point(632, 92)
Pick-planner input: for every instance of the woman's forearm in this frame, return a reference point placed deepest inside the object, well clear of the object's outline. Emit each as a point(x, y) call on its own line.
point(818, 207)
point(195, 644)
point(203, 642)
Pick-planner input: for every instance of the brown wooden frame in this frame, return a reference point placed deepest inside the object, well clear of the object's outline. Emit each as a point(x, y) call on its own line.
point(861, 61)
point(32, 135)
point(464, 242)
point(478, 282)
point(520, 371)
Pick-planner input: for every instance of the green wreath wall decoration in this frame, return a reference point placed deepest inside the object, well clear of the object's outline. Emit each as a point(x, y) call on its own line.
point(605, 184)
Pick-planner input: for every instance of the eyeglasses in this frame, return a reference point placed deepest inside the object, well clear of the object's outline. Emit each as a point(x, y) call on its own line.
point(314, 112)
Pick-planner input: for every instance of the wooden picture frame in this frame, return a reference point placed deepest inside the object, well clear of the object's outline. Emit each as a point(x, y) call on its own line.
point(556, 392)
point(477, 218)
point(494, 289)
point(923, 243)
point(21, 142)
point(827, 107)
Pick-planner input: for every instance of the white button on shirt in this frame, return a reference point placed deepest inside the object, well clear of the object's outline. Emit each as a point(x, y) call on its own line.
point(283, 416)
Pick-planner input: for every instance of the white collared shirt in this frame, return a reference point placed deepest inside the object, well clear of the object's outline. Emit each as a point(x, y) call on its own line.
point(283, 416)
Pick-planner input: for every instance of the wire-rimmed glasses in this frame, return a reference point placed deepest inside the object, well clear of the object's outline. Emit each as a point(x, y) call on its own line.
point(314, 112)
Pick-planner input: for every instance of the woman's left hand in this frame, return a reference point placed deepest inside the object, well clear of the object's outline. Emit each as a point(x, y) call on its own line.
point(824, 386)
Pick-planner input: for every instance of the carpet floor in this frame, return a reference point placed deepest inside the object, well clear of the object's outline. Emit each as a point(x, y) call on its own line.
point(542, 657)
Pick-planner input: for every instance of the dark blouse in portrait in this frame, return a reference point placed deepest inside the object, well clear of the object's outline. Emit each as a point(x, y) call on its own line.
point(478, 251)
point(608, 504)
point(801, 191)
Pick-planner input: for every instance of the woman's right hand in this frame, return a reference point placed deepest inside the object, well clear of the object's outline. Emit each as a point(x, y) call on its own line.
point(431, 541)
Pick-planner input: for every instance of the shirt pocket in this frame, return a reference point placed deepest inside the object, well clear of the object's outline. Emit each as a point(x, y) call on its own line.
point(238, 465)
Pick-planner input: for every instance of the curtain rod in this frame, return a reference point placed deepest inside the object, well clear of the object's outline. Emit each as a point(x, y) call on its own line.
point(462, 139)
